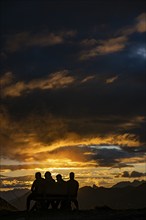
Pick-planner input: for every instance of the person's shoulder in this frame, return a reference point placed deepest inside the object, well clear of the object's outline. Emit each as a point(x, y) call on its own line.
point(51, 181)
point(34, 182)
point(77, 182)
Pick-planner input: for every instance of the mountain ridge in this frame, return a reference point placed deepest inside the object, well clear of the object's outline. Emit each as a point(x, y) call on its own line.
point(127, 196)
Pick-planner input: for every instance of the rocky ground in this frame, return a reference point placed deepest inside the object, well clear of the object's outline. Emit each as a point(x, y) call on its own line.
point(96, 214)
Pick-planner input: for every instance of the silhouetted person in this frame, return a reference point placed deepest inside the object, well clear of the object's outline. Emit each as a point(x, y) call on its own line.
point(73, 187)
point(37, 189)
point(61, 190)
point(49, 188)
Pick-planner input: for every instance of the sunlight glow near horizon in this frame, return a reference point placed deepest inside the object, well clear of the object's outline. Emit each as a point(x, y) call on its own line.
point(100, 176)
point(88, 172)
point(108, 147)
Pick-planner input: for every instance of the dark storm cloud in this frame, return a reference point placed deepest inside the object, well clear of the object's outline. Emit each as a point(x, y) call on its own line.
point(133, 174)
point(23, 136)
point(114, 44)
point(97, 155)
point(125, 174)
point(140, 149)
point(89, 108)
point(113, 157)
point(137, 174)
point(24, 40)
point(106, 156)
point(51, 116)
point(18, 138)
point(100, 96)
point(49, 94)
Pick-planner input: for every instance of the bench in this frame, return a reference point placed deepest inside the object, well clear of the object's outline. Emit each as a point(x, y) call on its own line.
point(43, 202)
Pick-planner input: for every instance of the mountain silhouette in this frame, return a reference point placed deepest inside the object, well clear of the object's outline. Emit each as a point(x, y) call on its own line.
point(128, 197)
point(135, 183)
point(20, 202)
point(116, 198)
point(11, 195)
point(5, 206)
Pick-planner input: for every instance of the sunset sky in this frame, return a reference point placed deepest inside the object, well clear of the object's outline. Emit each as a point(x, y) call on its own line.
point(73, 90)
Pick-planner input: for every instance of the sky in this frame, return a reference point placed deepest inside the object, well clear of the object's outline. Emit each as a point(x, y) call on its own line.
point(73, 90)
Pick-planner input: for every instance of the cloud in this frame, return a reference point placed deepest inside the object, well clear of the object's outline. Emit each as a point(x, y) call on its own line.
point(109, 157)
point(21, 139)
point(125, 174)
point(14, 90)
point(18, 178)
point(115, 44)
point(34, 136)
point(83, 176)
point(23, 40)
point(105, 47)
point(19, 167)
point(55, 80)
point(141, 23)
point(133, 122)
point(133, 174)
point(111, 80)
point(88, 78)
point(139, 26)
point(87, 155)
point(112, 45)
point(141, 52)
point(137, 174)
point(121, 165)
point(88, 42)
point(6, 79)
point(14, 183)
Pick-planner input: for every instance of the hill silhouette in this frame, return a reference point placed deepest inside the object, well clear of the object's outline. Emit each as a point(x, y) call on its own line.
point(5, 206)
point(129, 197)
point(116, 198)
point(11, 195)
point(122, 203)
point(20, 202)
point(135, 183)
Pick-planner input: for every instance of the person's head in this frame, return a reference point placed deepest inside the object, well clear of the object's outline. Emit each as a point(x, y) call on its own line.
point(47, 175)
point(38, 175)
point(71, 175)
point(59, 177)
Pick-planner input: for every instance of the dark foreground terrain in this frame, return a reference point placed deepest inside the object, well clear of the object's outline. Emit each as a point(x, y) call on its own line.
point(96, 214)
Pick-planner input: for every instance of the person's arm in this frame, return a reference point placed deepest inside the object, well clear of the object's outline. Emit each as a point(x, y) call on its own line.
point(77, 185)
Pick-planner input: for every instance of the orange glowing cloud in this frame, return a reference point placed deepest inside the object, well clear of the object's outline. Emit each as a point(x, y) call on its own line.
point(55, 80)
point(27, 39)
point(48, 139)
point(108, 46)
